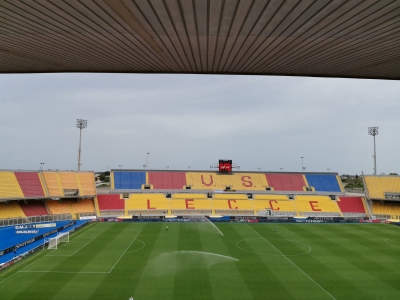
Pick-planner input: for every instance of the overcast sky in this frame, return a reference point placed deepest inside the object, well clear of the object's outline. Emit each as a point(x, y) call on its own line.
point(193, 120)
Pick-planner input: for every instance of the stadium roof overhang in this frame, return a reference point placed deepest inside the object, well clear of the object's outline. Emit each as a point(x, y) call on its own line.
point(325, 38)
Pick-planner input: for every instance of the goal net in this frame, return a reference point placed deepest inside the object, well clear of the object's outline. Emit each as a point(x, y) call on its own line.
point(61, 238)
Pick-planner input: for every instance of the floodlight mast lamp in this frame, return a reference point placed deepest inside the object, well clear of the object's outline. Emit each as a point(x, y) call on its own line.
point(81, 124)
point(374, 132)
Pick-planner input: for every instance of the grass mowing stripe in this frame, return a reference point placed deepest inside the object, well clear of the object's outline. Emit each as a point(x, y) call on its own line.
point(38, 255)
point(123, 281)
point(55, 282)
point(124, 252)
point(263, 275)
point(292, 262)
point(350, 264)
point(191, 278)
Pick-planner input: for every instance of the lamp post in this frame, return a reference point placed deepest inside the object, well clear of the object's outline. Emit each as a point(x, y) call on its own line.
point(41, 166)
point(167, 167)
point(328, 169)
point(374, 132)
point(302, 163)
point(281, 169)
point(81, 124)
point(120, 166)
point(147, 164)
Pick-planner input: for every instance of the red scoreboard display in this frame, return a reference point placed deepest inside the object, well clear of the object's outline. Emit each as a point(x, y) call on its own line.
point(225, 166)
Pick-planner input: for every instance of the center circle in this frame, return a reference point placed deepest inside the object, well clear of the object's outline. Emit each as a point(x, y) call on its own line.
point(273, 247)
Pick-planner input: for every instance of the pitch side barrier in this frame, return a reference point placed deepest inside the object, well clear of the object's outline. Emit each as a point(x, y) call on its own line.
point(36, 238)
point(40, 246)
point(242, 219)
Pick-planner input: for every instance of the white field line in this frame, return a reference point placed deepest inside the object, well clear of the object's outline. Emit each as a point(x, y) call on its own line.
point(76, 250)
point(63, 272)
point(292, 262)
point(137, 249)
point(208, 253)
point(22, 270)
point(86, 229)
point(215, 226)
point(124, 252)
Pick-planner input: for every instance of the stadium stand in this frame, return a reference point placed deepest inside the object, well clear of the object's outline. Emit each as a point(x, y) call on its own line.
point(87, 184)
point(11, 210)
point(53, 184)
point(249, 181)
point(189, 196)
point(320, 204)
point(270, 197)
point(83, 206)
point(167, 180)
point(324, 182)
point(191, 204)
point(230, 196)
point(129, 180)
point(110, 202)
point(274, 204)
point(30, 184)
point(351, 205)
point(147, 201)
point(215, 181)
point(233, 204)
point(381, 187)
point(69, 180)
point(56, 207)
point(9, 187)
point(391, 208)
point(286, 182)
point(33, 208)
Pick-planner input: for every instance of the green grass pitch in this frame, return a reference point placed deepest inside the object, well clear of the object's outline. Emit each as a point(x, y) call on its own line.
point(194, 261)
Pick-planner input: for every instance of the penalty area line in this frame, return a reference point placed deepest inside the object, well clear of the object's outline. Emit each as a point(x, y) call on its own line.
point(124, 252)
point(289, 260)
point(78, 249)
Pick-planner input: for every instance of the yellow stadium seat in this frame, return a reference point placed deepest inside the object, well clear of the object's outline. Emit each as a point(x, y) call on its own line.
point(146, 201)
point(87, 184)
point(53, 184)
point(378, 185)
point(249, 181)
point(204, 181)
point(316, 204)
point(387, 208)
point(274, 204)
point(231, 196)
point(69, 180)
point(215, 181)
point(83, 206)
point(189, 196)
point(270, 197)
point(11, 210)
point(233, 204)
point(189, 204)
point(9, 186)
point(57, 208)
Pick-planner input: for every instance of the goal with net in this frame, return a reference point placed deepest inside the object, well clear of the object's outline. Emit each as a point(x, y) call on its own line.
point(61, 238)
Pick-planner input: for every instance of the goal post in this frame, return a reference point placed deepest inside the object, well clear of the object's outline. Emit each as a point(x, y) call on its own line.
point(61, 238)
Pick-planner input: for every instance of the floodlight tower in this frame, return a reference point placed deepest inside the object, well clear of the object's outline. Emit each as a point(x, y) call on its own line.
point(81, 124)
point(374, 132)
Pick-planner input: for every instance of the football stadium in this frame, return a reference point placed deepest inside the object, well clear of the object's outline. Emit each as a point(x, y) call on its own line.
point(221, 232)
